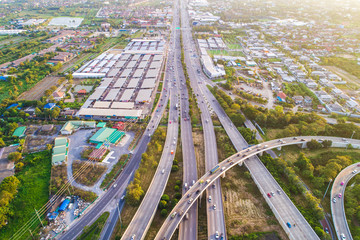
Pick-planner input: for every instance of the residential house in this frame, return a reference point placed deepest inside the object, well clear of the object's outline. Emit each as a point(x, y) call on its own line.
point(58, 96)
point(307, 101)
point(311, 84)
point(281, 96)
point(336, 92)
point(336, 107)
point(351, 104)
point(298, 99)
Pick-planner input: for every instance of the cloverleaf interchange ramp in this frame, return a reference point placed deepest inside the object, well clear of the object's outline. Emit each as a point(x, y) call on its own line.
point(302, 229)
point(337, 209)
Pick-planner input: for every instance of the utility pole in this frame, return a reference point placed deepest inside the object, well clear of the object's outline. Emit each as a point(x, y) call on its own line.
point(326, 190)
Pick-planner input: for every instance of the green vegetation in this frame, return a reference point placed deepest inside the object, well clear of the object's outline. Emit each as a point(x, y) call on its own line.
point(347, 65)
point(231, 108)
point(8, 190)
point(225, 53)
point(16, 51)
point(294, 89)
point(256, 236)
point(352, 203)
point(115, 171)
point(27, 75)
point(224, 144)
point(34, 178)
point(94, 231)
point(149, 161)
point(250, 97)
point(249, 135)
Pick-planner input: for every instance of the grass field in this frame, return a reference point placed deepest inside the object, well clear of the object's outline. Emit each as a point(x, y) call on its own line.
point(234, 46)
point(33, 193)
point(227, 53)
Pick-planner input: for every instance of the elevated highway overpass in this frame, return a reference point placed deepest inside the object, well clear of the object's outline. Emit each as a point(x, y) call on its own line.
point(302, 230)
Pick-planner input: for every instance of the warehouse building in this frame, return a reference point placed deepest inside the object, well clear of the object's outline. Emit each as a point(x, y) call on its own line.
point(128, 87)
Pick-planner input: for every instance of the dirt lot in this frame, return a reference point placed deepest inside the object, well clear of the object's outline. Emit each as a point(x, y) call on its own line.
point(245, 209)
point(37, 91)
point(198, 138)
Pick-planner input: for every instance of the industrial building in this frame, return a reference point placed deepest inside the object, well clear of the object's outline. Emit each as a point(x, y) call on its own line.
point(129, 79)
point(60, 150)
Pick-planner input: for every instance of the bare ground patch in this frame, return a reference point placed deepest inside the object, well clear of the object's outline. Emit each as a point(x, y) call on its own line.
point(245, 209)
point(198, 138)
point(37, 91)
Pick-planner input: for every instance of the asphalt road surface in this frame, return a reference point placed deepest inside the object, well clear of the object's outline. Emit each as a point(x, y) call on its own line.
point(214, 202)
point(337, 208)
point(141, 222)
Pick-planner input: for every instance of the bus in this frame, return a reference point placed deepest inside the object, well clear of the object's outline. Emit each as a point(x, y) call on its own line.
point(214, 169)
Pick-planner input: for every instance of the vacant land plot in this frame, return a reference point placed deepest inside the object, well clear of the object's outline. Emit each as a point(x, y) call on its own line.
point(352, 80)
point(245, 209)
point(91, 174)
point(37, 91)
point(198, 138)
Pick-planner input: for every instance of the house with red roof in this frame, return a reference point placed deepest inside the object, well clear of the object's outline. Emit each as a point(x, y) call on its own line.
point(281, 96)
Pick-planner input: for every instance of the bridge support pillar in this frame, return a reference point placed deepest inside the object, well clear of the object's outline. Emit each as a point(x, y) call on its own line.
point(260, 154)
point(303, 145)
point(279, 148)
point(223, 175)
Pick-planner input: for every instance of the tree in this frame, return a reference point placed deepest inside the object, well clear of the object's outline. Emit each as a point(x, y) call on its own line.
point(14, 156)
point(327, 143)
point(162, 204)
point(313, 144)
point(2, 143)
point(55, 113)
point(165, 197)
point(164, 212)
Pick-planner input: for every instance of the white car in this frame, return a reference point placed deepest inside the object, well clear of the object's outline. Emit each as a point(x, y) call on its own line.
point(355, 171)
point(334, 200)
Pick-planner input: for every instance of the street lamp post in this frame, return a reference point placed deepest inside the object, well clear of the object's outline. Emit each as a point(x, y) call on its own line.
point(352, 134)
point(350, 138)
point(326, 189)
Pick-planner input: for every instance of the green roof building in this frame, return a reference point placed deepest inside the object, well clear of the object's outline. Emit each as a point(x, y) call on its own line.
point(19, 132)
point(61, 141)
point(106, 134)
point(58, 159)
point(101, 125)
point(60, 150)
point(101, 135)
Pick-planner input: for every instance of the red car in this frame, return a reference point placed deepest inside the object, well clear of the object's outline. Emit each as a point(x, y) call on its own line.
point(269, 195)
point(342, 183)
point(184, 119)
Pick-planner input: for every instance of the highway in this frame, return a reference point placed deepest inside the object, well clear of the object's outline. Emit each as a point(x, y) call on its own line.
point(141, 222)
point(113, 194)
point(214, 202)
point(302, 229)
point(337, 208)
point(188, 229)
point(261, 176)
